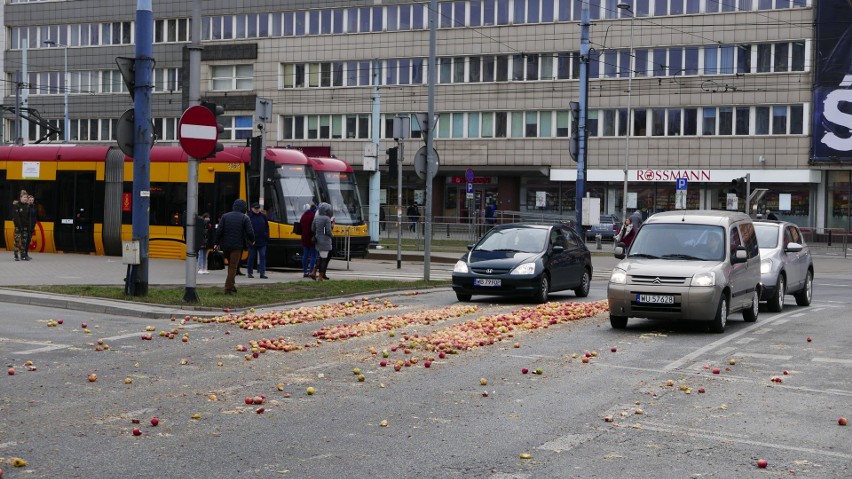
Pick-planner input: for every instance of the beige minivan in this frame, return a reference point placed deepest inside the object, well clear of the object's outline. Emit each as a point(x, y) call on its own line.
point(699, 265)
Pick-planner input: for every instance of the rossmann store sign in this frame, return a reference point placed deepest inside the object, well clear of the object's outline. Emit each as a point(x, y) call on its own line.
point(672, 175)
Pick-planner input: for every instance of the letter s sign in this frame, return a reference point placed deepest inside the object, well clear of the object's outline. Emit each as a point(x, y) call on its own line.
point(834, 114)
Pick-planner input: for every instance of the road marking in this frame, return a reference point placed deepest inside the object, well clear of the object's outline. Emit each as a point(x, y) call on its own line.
point(531, 356)
point(832, 360)
point(782, 321)
point(45, 345)
point(797, 315)
point(567, 442)
point(778, 357)
point(744, 340)
point(8, 444)
point(816, 310)
point(43, 350)
point(735, 438)
point(763, 331)
point(731, 337)
point(726, 350)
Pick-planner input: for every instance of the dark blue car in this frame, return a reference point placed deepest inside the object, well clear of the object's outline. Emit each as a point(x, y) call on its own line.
point(607, 227)
point(524, 260)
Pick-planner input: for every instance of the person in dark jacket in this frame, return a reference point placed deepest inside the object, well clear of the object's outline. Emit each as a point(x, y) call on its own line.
point(322, 227)
point(204, 242)
point(33, 222)
point(233, 234)
point(260, 225)
point(21, 220)
point(309, 250)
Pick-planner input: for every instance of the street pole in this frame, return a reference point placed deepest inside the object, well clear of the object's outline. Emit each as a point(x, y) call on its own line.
point(144, 65)
point(626, 7)
point(430, 137)
point(582, 156)
point(190, 294)
point(400, 156)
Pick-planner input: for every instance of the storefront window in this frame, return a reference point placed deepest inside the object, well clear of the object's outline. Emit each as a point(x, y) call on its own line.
point(839, 206)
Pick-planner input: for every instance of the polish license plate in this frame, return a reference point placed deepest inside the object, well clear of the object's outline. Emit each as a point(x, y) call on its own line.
point(655, 298)
point(486, 282)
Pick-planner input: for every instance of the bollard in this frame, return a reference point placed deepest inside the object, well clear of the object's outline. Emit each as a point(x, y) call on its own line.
point(598, 241)
point(829, 237)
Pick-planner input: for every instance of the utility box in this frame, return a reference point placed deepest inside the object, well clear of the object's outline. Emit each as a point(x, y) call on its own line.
point(130, 252)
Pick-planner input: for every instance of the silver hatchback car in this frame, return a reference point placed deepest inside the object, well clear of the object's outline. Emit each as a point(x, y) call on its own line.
point(688, 265)
point(786, 266)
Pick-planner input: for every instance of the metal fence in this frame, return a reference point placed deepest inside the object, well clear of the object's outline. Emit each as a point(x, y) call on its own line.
point(827, 241)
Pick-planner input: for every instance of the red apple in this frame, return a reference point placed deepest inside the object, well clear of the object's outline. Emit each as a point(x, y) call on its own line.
point(260, 410)
point(85, 325)
point(383, 363)
point(155, 421)
point(485, 394)
point(184, 339)
point(613, 349)
point(137, 431)
point(257, 400)
point(442, 355)
point(249, 400)
point(809, 339)
point(761, 463)
point(701, 390)
point(786, 372)
point(11, 371)
point(427, 364)
point(717, 371)
point(60, 321)
point(842, 421)
point(524, 370)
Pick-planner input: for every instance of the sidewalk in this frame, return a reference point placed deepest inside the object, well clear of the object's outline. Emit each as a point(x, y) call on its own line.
point(71, 269)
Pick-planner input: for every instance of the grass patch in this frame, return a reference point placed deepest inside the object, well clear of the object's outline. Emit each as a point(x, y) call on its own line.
point(247, 296)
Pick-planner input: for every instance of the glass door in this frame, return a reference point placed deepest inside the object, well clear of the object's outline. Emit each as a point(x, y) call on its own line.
point(74, 227)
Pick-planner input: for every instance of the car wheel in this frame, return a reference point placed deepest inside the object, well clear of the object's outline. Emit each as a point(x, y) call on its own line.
point(618, 322)
point(721, 319)
point(543, 289)
point(463, 297)
point(750, 314)
point(585, 284)
point(803, 297)
point(776, 303)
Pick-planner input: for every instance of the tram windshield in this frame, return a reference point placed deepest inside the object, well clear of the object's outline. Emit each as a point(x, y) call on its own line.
point(298, 187)
point(343, 197)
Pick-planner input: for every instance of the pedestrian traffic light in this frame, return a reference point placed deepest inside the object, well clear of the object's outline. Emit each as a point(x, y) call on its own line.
point(574, 141)
point(218, 111)
point(393, 162)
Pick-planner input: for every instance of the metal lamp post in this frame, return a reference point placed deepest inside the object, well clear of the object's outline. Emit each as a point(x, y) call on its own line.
point(64, 86)
point(627, 7)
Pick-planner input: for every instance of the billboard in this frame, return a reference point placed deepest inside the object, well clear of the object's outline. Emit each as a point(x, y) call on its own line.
point(832, 140)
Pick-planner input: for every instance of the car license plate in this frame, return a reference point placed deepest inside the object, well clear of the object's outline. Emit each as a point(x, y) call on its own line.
point(655, 298)
point(486, 282)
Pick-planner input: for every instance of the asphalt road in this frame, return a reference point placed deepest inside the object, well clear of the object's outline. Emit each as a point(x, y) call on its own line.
point(439, 423)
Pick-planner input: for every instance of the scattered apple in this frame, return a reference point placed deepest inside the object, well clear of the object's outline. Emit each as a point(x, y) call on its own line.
point(361, 378)
point(85, 325)
point(280, 386)
point(717, 371)
point(137, 431)
point(613, 349)
point(427, 364)
point(608, 419)
point(526, 455)
point(441, 355)
point(93, 377)
point(517, 345)
point(761, 463)
point(184, 339)
point(786, 372)
point(669, 383)
point(260, 410)
point(842, 421)
point(483, 381)
point(128, 380)
point(310, 391)
point(135, 421)
point(732, 361)
point(356, 371)
point(60, 321)
point(539, 371)
point(248, 400)
point(384, 423)
point(524, 370)
point(11, 371)
point(155, 421)
point(385, 353)
point(383, 363)
point(485, 394)
point(701, 390)
point(585, 360)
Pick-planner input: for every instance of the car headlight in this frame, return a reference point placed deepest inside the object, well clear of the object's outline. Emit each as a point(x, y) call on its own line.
point(765, 266)
point(460, 267)
point(704, 279)
point(526, 268)
point(619, 276)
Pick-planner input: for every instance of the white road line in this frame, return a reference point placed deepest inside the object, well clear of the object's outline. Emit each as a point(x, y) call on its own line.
point(531, 356)
point(832, 360)
point(744, 340)
point(726, 350)
point(52, 347)
point(816, 310)
point(698, 352)
point(781, 321)
point(733, 438)
point(797, 315)
point(778, 357)
point(8, 444)
point(763, 331)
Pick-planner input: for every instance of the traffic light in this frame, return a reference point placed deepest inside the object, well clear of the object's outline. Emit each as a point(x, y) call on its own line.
point(574, 141)
point(738, 186)
point(218, 111)
point(393, 162)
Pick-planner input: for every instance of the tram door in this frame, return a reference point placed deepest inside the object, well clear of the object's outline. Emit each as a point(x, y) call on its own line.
point(75, 198)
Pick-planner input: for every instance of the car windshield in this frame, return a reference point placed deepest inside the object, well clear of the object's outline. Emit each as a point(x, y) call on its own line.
point(679, 242)
point(527, 240)
point(767, 235)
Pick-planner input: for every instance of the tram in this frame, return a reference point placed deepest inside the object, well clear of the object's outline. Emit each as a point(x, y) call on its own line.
point(83, 197)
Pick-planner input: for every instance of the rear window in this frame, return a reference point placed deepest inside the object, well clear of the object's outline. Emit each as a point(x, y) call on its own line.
point(767, 235)
point(679, 242)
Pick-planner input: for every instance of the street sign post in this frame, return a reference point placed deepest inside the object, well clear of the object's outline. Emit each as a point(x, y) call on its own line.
point(197, 132)
point(680, 193)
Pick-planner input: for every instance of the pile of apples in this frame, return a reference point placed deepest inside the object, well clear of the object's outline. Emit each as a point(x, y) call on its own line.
point(389, 323)
point(487, 330)
point(305, 314)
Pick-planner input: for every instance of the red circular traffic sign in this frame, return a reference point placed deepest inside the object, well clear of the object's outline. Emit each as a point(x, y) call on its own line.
point(198, 132)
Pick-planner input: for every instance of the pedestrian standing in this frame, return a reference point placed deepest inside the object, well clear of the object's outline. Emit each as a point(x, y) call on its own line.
point(322, 227)
point(414, 216)
point(627, 233)
point(21, 220)
point(233, 234)
point(636, 219)
point(260, 225)
point(309, 250)
point(770, 215)
point(204, 242)
point(490, 211)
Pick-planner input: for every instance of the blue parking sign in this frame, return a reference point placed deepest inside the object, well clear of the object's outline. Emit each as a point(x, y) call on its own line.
point(680, 184)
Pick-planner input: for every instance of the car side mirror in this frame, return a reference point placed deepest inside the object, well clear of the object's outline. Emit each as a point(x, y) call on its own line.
point(620, 250)
point(793, 247)
point(558, 248)
point(740, 255)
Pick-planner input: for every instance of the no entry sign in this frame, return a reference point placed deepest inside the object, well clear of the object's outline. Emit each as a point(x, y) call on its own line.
point(197, 132)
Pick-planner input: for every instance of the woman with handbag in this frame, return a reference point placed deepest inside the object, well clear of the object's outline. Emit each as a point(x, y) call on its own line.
point(322, 229)
point(627, 233)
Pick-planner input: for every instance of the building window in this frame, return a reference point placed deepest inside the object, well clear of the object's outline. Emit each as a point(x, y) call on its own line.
point(232, 77)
